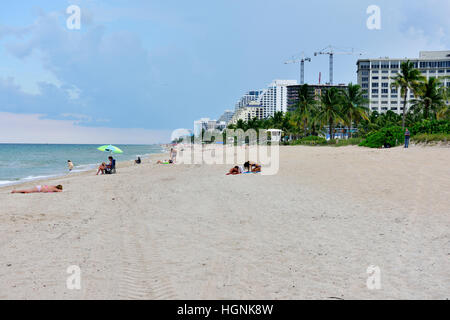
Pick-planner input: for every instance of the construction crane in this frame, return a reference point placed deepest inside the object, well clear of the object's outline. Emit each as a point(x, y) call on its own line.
point(331, 51)
point(302, 66)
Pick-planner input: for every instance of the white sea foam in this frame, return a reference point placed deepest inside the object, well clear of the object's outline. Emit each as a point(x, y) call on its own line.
point(26, 163)
point(7, 182)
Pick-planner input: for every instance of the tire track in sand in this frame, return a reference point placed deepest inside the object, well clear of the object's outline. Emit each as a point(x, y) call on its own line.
point(143, 275)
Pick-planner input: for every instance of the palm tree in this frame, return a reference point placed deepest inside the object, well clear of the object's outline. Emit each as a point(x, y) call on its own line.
point(277, 120)
point(354, 106)
point(430, 97)
point(443, 113)
point(305, 107)
point(251, 123)
point(240, 124)
point(286, 125)
point(408, 78)
point(329, 111)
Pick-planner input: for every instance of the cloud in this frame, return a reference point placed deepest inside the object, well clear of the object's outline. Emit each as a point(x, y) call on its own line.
point(52, 100)
point(102, 75)
point(427, 19)
point(13, 31)
point(33, 128)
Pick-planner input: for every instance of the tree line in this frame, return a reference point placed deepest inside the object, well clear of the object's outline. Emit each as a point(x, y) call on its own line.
point(348, 108)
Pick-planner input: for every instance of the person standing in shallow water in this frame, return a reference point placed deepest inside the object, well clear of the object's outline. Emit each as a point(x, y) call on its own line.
point(70, 165)
point(407, 136)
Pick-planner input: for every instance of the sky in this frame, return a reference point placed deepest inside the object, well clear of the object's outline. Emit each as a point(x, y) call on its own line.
point(136, 70)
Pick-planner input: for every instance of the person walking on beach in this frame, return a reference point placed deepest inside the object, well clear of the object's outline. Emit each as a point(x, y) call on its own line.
point(407, 136)
point(70, 165)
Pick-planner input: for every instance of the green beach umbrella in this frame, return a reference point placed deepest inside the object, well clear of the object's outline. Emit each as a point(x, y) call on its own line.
point(110, 148)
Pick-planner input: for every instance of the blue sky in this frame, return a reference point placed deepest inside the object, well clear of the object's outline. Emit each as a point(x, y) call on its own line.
point(154, 66)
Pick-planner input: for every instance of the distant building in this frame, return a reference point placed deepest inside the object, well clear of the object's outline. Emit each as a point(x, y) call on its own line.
point(208, 124)
point(315, 91)
point(226, 117)
point(375, 77)
point(251, 111)
point(221, 125)
point(247, 98)
point(274, 98)
point(271, 100)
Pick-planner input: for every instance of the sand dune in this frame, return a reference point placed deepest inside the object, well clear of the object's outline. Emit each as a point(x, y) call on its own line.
point(190, 232)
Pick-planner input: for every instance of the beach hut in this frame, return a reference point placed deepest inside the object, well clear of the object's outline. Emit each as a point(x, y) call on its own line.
point(275, 135)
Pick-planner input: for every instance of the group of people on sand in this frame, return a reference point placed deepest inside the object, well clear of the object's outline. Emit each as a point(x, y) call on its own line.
point(103, 169)
point(173, 158)
point(110, 168)
point(248, 167)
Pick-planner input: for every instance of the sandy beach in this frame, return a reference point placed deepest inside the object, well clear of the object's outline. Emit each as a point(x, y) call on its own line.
point(191, 232)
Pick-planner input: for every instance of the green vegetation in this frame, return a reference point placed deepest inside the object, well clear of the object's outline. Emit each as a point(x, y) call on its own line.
point(388, 137)
point(431, 138)
point(346, 110)
point(309, 141)
point(409, 78)
point(431, 97)
point(353, 106)
point(348, 142)
point(430, 127)
point(319, 141)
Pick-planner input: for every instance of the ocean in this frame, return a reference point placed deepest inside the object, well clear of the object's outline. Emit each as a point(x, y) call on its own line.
point(25, 162)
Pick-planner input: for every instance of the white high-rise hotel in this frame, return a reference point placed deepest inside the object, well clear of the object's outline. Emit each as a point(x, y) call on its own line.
point(272, 99)
point(375, 77)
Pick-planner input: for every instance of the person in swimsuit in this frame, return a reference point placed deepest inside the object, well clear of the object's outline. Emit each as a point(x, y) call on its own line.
point(101, 168)
point(173, 155)
point(70, 165)
point(164, 162)
point(235, 170)
point(252, 166)
point(41, 189)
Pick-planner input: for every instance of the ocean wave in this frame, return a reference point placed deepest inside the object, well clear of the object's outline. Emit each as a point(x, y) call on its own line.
point(84, 167)
point(19, 165)
point(30, 178)
point(7, 182)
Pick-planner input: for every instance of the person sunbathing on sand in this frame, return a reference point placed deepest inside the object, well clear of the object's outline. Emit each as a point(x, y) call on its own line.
point(252, 166)
point(164, 162)
point(248, 167)
point(44, 189)
point(101, 168)
point(235, 170)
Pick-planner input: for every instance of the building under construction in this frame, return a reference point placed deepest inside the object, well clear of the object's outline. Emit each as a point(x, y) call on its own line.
point(315, 91)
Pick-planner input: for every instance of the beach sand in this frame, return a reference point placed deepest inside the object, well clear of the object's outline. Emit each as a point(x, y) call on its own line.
point(190, 232)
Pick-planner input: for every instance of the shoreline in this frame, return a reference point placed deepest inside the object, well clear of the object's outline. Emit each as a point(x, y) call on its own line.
point(33, 182)
point(36, 162)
